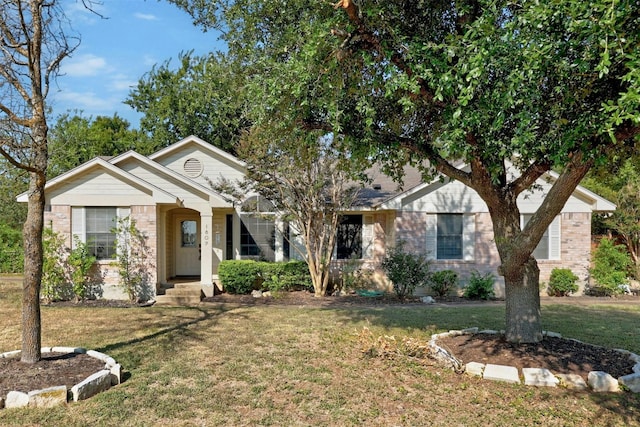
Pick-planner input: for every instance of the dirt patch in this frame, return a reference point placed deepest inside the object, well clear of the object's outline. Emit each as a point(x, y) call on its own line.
point(559, 355)
point(55, 369)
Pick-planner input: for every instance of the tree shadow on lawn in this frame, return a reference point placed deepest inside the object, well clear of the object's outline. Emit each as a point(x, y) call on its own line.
point(177, 334)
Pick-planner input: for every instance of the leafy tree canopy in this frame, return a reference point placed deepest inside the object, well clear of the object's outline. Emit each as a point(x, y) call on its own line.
point(75, 139)
point(203, 97)
point(536, 85)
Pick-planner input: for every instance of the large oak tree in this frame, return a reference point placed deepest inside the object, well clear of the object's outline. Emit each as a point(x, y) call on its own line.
point(510, 89)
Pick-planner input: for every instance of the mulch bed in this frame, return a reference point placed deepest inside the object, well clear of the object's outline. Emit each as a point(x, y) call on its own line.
point(55, 369)
point(559, 355)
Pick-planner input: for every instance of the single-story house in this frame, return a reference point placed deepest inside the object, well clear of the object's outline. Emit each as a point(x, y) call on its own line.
point(190, 228)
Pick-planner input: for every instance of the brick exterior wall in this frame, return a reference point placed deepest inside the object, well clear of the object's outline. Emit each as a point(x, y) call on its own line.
point(575, 247)
point(59, 219)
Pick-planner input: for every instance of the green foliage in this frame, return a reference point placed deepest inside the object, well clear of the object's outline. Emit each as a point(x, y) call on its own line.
point(67, 273)
point(203, 96)
point(353, 276)
point(11, 251)
point(239, 276)
point(562, 282)
point(55, 285)
point(243, 276)
point(480, 286)
point(133, 260)
point(75, 139)
point(443, 282)
point(80, 262)
point(406, 271)
point(611, 264)
point(285, 276)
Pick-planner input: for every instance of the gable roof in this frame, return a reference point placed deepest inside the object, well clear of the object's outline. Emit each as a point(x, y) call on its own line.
point(159, 195)
point(205, 146)
point(215, 198)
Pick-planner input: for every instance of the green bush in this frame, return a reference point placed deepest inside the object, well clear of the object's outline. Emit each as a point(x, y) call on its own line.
point(443, 282)
point(55, 283)
point(611, 264)
point(480, 286)
point(243, 276)
point(285, 276)
point(562, 282)
point(406, 271)
point(11, 252)
point(238, 276)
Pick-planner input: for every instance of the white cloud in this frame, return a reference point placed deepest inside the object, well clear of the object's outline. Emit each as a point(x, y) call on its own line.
point(84, 65)
point(122, 82)
point(87, 101)
point(145, 16)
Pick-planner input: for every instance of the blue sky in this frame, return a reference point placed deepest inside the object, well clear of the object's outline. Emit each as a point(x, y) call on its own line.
point(116, 52)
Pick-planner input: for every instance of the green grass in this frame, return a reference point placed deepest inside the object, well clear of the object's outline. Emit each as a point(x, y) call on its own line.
point(267, 365)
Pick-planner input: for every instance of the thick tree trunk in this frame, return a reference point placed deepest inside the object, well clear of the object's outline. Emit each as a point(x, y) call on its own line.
point(522, 297)
point(32, 230)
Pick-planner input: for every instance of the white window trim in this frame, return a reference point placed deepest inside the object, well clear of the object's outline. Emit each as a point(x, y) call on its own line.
point(468, 237)
point(79, 223)
point(554, 238)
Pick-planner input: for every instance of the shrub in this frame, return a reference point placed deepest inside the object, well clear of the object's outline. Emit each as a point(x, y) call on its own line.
point(406, 271)
point(133, 260)
point(480, 286)
point(80, 262)
point(443, 282)
point(238, 276)
point(55, 286)
point(611, 263)
point(353, 276)
point(285, 276)
point(11, 252)
point(562, 282)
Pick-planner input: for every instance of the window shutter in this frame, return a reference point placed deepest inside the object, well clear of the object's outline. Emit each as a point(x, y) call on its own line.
point(554, 238)
point(468, 237)
point(432, 236)
point(78, 226)
point(367, 237)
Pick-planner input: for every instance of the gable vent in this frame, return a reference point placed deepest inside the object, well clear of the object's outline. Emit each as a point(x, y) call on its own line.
point(193, 168)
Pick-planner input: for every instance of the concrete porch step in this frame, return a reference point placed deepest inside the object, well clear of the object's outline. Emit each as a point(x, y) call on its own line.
point(181, 294)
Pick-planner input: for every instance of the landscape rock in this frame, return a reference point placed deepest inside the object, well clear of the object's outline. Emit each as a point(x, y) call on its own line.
point(474, 369)
point(16, 399)
point(427, 300)
point(539, 377)
point(94, 384)
point(631, 381)
point(48, 397)
point(503, 373)
point(602, 382)
point(116, 374)
point(256, 293)
point(572, 381)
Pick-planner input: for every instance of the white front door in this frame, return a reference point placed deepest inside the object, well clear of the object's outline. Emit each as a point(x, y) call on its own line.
point(187, 246)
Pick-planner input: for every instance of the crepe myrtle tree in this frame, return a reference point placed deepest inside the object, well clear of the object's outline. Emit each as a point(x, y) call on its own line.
point(307, 181)
point(509, 90)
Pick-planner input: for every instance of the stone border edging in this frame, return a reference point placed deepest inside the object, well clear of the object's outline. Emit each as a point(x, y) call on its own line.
point(53, 396)
point(599, 381)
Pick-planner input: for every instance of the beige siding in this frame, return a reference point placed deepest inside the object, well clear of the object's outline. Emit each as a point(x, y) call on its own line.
point(214, 166)
point(98, 188)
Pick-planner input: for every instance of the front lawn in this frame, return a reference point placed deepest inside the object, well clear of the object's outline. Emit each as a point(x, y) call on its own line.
point(283, 366)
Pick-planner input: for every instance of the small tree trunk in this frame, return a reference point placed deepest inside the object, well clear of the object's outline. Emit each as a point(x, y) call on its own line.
point(33, 253)
point(522, 296)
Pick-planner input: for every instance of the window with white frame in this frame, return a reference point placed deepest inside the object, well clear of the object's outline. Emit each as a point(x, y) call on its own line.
point(549, 245)
point(451, 236)
point(257, 229)
point(95, 226)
